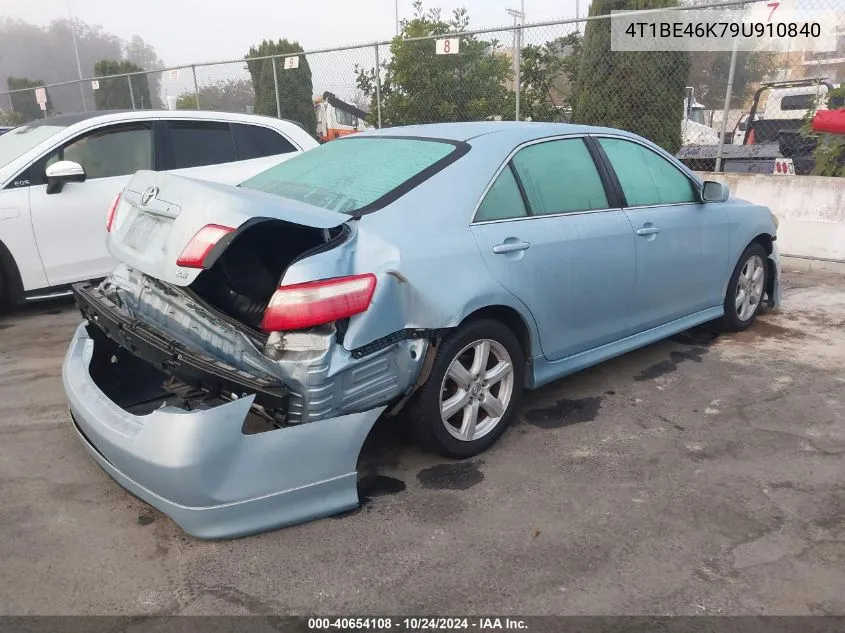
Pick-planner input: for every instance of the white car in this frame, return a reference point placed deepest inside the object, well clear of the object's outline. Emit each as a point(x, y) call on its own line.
point(59, 175)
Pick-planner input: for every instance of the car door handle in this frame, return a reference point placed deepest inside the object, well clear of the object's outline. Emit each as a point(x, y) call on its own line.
point(510, 247)
point(648, 230)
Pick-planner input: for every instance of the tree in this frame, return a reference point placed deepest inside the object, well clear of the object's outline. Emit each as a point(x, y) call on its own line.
point(10, 119)
point(420, 86)
point(547, 75)
point(114, 93)
point(296, 98)
point(640, 91)
point(709, 75)
point(27, 50)
point(25, 103)
point(233, 95)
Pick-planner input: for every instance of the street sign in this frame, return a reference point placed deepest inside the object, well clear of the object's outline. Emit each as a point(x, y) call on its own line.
point(42, 105)
point(447, 46)
point(41, 96)
point(291, 62)
point(95, 85)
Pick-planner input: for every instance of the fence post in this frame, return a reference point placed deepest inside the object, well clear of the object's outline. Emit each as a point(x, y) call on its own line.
point(276, 88)
point(131, 93)
point(727, 108)
point(518, 64)
point(378, 87)
point(196, 86)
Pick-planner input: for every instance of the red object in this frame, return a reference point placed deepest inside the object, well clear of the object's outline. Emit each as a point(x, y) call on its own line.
point(201, 244)
point(317, 302)
point(829, 121)
point(110, 214)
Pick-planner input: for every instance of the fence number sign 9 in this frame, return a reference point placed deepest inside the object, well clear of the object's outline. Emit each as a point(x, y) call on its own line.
point(291, 62)
point(448, 46)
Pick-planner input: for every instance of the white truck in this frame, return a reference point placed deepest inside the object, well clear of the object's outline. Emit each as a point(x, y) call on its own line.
point(694, 129)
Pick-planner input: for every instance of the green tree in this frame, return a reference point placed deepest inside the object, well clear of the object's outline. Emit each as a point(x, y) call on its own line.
point(829, 150)
point(10, 119)
point(709, 75)
point(24, 103)
point(296, 92)
point(640, 91)
point(547, 78)
point(114, 92)
point(234, 95)
point(420, 86)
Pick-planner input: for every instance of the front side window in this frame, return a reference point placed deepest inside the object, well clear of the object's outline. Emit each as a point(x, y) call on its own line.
point(560, 177)
point(503, 199)
point(646, 177)
point(113, 151)
point(357, 173)
point(200, 143)
point(344, 118)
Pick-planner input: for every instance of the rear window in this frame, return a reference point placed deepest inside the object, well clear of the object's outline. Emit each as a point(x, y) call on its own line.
point(357, 174)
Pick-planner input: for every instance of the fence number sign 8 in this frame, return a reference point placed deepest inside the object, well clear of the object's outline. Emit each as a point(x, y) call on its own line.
point(447, 46)
point(291, 62)
point(95, 85)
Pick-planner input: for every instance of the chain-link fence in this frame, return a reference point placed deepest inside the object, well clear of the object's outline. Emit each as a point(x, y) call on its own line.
point(707, 105)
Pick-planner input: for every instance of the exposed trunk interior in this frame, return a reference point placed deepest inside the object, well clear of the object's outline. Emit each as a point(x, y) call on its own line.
point(139, 388)
point(245, 276)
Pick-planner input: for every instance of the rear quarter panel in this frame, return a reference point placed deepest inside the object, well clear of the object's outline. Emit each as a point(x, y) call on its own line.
point(430, 272)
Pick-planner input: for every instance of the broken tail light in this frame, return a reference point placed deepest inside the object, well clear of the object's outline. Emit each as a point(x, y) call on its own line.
point(194, 254)
point(313, 303)
point(111, 212)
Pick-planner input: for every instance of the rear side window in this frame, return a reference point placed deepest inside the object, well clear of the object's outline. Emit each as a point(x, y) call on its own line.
point(357, 174)
point(646, 177)
point(503, 200)
point(798, 102)
point(199, 143)
point(560, 177)
point(254, 141)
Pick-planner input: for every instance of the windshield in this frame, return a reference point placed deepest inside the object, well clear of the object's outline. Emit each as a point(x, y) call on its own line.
point(22, 139)
point(697, 115)
point(357, 172)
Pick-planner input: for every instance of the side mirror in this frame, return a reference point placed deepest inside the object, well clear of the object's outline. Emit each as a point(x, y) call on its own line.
point(61, 172)
point(714, 191)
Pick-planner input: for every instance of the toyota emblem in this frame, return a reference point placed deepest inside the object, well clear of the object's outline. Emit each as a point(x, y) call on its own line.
point(148, 195)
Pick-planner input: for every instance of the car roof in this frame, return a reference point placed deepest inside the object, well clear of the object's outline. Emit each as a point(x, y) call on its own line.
point(474, 129)
point(71, 119)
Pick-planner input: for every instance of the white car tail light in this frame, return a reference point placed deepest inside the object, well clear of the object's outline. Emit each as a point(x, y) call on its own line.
point(112, 211)
point(200, 246)
point(317, 302)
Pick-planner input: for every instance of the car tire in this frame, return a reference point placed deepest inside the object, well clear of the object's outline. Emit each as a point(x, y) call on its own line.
point(481, 403)
point(746, 289)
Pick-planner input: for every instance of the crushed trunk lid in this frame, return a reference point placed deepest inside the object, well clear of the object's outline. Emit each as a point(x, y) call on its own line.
point(160, 213)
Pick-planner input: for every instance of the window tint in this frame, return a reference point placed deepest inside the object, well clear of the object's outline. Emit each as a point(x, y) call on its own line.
point(198, 143)
point(253, 141)
point(503, 199)
point(560, 177)
point(645, 176)
point(114, 151)
point(350, 174)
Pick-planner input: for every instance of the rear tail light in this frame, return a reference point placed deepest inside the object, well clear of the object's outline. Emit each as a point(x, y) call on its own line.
point(317, 302)
point(110, 214)
point(201, 244)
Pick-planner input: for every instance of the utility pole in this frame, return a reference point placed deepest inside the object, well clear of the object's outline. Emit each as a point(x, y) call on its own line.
point(396, 15)
point(517, 50)
point(76, 52)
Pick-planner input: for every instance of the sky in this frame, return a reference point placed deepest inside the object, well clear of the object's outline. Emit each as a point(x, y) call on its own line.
point(184, 31)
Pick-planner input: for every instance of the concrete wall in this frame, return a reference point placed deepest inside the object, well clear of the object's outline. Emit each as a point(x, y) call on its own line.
point(811, 210)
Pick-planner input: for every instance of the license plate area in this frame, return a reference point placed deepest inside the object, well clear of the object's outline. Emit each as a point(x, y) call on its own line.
point(142, 230)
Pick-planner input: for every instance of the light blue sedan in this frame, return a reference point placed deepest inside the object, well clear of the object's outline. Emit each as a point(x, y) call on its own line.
point(230, 369)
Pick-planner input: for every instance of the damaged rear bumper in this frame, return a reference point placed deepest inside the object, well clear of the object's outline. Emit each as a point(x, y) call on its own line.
point(200, 469)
